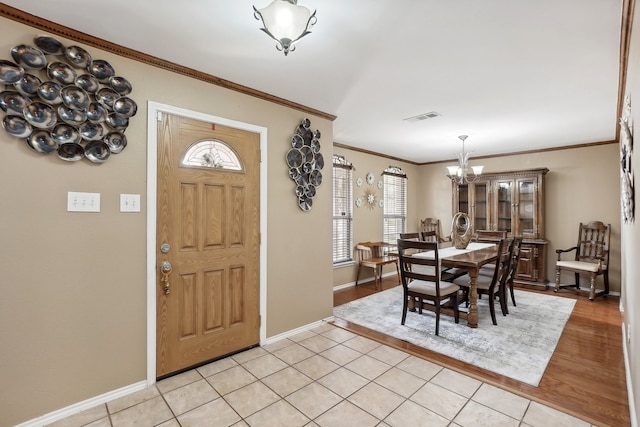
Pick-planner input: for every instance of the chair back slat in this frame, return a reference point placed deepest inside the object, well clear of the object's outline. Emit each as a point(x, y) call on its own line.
point(406, 250)
point(515, 258)
point(593, 242)
point(410, 236)
point(505, 253)
point(429, 236)
point(432, 225)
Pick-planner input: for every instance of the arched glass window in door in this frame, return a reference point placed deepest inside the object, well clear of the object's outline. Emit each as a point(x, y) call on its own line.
point(214, 154)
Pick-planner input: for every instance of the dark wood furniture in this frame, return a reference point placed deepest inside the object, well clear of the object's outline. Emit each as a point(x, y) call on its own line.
point(591, 258)
point(489, 235)
point(487, 270)
point(433, 224)
point(421, 280)
point(471, 260)
point(513, 202)
point(371, 255)
point(495, 284)
point(411, 236)
point(513, 269)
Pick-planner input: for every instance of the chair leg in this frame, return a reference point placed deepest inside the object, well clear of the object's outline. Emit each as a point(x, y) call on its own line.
point(606, 282)
point(437, 317)
point(503, 300)
point(358, 274)
point(456, 313)
point(404, 308)
point(557, 288)
point(592, 292)
point(513, 296)
point(577, 281)
point(492, 309)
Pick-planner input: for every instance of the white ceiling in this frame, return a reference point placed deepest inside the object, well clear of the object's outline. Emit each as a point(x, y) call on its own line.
point(514, 75)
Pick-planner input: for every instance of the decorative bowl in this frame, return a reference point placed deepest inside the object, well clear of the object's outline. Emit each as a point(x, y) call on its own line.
point(29, 57)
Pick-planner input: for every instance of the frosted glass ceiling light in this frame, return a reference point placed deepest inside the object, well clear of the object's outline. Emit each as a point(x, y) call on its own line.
point(285, 22)
point(459, 173)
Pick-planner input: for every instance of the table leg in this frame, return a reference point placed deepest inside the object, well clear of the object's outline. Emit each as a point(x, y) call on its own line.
point(472, 317)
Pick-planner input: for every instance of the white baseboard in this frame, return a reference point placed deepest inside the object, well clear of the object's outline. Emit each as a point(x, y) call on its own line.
point(627, 370)
point(351, 284)
point(296, 331)
point(114, 394)
point(84, 405)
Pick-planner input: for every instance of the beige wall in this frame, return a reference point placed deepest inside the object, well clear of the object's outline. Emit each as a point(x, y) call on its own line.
point(631, 236)
point(367, 223)
point(73, 306)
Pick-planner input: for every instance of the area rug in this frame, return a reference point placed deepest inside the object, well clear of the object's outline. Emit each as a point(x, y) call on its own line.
point(519, 347)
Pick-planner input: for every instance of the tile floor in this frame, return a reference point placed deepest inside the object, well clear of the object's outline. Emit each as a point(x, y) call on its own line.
point(323, 377)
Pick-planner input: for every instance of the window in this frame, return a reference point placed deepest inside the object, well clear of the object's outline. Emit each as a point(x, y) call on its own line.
point(395, 204)
point(212, 154)
point(342, 210)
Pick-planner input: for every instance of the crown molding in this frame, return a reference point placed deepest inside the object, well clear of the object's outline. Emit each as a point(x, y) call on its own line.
point(69, 33)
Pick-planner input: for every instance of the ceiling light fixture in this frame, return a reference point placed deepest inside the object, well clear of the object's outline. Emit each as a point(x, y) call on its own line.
point(459, 174)
point(285, 22)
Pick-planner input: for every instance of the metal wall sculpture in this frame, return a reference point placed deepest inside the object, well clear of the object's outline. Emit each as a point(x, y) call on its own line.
point(305, 163)
point(627, 184)
point(59, 99)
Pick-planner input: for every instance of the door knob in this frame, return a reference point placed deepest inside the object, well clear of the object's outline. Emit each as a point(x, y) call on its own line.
point(165, 269)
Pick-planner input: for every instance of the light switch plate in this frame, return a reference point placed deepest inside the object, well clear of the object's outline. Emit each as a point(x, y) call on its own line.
point(83, 202)
point(129, 203)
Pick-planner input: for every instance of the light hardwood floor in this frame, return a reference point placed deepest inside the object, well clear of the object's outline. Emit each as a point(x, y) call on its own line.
point(585, 376)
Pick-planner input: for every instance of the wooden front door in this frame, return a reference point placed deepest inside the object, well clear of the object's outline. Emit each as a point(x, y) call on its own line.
point(208, 238)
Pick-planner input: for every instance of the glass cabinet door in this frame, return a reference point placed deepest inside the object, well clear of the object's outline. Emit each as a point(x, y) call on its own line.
point(480, 212)
point(462, 204)
point(504, 206)
point(526, 208)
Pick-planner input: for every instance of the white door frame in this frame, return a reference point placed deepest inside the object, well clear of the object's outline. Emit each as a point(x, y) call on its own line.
point(154, 109)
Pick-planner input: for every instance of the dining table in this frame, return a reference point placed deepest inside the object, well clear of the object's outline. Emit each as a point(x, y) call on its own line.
point(471, 259)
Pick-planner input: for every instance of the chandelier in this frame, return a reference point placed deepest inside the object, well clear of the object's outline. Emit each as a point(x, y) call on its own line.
point(285, 22)
point(460, 173)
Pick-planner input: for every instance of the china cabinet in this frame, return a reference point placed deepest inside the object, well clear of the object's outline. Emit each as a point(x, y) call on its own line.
point(513, 202)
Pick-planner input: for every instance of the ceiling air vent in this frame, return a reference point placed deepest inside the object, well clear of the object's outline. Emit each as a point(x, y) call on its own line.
point(421, 117)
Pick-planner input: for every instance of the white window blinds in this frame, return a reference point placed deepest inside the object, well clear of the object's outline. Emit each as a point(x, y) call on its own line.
point(395, 204)
point(342, 210)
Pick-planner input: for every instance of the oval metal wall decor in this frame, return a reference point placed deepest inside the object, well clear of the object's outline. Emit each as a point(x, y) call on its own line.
point(305, 162)
point(59, 99)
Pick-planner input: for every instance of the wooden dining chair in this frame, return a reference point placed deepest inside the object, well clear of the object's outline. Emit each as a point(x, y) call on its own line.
point(495, 285)
point(421, 281)
point(447, 274)
point(369, 255)
point(433, 224)
point(513, 269)
point(591, 258)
